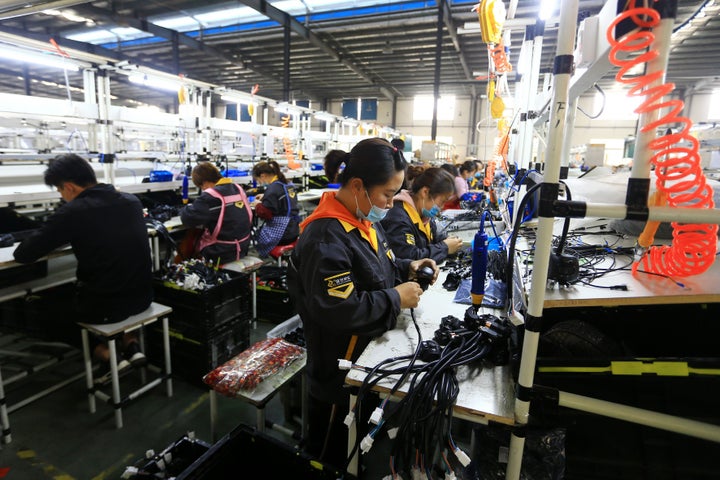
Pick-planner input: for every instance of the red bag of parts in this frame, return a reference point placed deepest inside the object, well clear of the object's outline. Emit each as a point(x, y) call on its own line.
point(246, 370)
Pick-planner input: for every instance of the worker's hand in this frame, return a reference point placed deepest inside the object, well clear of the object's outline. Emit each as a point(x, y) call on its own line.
point(416, 265)
point(409, 294)
point(453, 243)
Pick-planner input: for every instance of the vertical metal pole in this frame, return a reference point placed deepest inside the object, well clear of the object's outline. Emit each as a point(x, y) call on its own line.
point(286, 60)
point(472, 131)
point(90, 93)
point(26, 80)
point(5, 420)
point(533, 86)
point(438, 62)
point(549, 191)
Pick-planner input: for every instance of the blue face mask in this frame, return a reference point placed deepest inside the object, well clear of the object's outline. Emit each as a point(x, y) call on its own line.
point(374, 215)
point(433, 212)
point(478, 175)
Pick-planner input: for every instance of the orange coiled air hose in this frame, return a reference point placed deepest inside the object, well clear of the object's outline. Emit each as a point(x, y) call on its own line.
point(677, 166)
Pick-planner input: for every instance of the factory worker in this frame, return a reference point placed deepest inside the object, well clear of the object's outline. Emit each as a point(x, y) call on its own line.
point(278, 207)
point(223, 213)
point(348, 286)
point(107, 232)
point(410, 223)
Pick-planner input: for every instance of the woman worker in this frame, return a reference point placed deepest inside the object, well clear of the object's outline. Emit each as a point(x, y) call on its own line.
point(278, 207)
point(348, 286)
point(410, 223)
point(223, 211)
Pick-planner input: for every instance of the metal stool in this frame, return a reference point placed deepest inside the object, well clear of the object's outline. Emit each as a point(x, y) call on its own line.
point(281, 252)
point(247, 264)
point(110, 332)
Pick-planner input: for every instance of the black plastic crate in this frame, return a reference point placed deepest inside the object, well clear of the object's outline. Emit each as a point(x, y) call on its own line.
point(201, 325)
point(171, 461)
point(193, 357)
point(235, 456)
point(274, 304)
point(205, 303)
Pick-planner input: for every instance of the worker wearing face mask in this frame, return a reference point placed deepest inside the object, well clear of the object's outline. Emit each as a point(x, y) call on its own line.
point(348, 286)
point(277, 207)
point(410, 223)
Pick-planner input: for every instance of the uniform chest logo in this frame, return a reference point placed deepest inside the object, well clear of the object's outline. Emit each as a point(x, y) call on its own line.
point(240, 204)
point(410, 238)
point(340, 285)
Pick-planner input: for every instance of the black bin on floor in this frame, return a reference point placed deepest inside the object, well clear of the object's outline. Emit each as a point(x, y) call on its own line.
point(207, 327)
point(274, 303)
point(238, 454)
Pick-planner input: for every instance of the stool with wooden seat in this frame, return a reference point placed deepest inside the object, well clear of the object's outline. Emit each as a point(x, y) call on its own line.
point(112, 331)
point(282, 252)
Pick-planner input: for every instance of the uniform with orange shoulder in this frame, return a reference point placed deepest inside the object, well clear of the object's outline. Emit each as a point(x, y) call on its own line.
point(348, 286)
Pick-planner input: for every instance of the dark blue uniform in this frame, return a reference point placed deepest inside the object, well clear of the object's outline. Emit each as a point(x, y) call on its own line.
point(341, 278)
point(410, 238)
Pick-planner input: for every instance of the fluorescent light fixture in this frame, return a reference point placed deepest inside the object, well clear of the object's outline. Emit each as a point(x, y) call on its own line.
point(325, 117)
point(235, 99)
point(38, 58)
point(547, 9)
point(287, 108)
point(154, 82)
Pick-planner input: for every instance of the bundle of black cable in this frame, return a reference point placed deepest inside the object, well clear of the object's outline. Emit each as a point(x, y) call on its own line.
point(422, 419)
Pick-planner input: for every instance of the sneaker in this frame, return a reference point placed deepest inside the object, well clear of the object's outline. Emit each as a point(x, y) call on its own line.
point(123, 366)
point(133, 355)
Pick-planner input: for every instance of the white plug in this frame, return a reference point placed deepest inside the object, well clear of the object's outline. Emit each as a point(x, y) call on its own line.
point(349, 419)
point(366, 443)
point(462, 456)
point(376, 416)
point(344, 364)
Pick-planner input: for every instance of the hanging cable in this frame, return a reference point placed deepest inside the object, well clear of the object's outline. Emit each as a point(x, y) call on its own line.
point(678, 170)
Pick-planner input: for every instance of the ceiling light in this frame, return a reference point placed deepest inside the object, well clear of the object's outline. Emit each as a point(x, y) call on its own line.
point(547, 9)
point(38, 58)
point(154, 82)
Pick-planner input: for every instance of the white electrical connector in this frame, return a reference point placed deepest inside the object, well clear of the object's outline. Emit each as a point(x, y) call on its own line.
point(349, 419)
point(392, 433)
point(450, 476)
point(344, 364)
point(462, 456)
point(366, 443)
point(415, 473)
point(130, 472)
point(376, 416)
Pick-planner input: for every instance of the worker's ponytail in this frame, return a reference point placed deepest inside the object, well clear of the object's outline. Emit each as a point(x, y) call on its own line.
point(334, 159)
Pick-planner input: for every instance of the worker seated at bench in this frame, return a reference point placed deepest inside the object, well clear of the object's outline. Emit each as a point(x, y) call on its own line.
point(278, 207)
point(222, 215)
point(107, 233)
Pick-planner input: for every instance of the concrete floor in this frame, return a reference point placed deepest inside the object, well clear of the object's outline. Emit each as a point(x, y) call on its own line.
point(56, 437)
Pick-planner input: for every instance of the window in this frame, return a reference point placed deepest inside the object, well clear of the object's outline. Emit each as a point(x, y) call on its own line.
point(366, 106)
point(423, 107)
point(616, 105)
point(714, 109)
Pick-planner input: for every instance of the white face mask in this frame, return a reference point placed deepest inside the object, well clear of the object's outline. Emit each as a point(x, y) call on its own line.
point(375, 214)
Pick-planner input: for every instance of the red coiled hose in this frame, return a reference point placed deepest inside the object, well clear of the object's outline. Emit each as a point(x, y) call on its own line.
point(677, 167)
